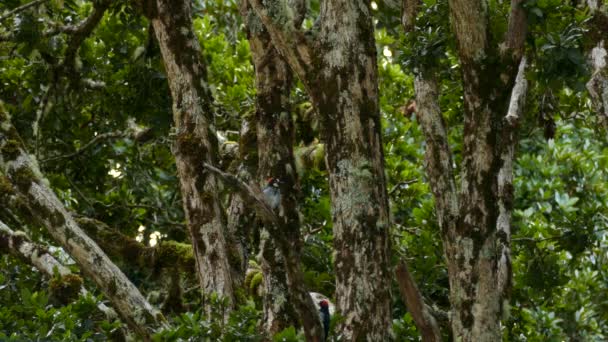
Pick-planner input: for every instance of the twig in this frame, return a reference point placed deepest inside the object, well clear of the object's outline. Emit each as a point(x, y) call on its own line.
point(43, 108)
point(93, 84)
point(400, 184)
point(85, 198)
point(557, 237)
point(80, 32)
point(98, 138)
point(21, 8)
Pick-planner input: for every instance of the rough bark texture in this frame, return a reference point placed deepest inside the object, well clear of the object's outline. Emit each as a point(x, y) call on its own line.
point(23, 172)
point(196, 141)
point(241, 220)
point(338, 67)
point(598, 60)
point(475, 219)
point(283, 280)
point(347, 99)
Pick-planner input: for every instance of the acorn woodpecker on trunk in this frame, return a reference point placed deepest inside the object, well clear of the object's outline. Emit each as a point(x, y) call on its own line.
point(272, 193)
point(325, 319)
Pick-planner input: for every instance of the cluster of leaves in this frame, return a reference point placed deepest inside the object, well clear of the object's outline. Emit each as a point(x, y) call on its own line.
point(28, 311)
point(241, 325)
point(560, 237)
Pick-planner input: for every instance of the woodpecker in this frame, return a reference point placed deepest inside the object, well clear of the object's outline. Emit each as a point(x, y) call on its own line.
point(324, 311)
point(272, 194)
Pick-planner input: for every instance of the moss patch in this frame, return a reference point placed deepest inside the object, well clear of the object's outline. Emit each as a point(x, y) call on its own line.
point(6, 188)
point(11, 150)
point(23, 178)
point(170, 252)
point(65, 288)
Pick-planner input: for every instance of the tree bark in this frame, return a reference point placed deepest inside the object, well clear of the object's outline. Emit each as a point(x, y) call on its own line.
point(283, 280)
point(475, 219)
point(337, 65)
point(478, 250)
point(241, 220)
point(23, 172)
point(598, 60)
point(196, 142)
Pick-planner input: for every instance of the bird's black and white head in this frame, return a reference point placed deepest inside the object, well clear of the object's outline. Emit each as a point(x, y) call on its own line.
point(324, 305)
point(274, 182)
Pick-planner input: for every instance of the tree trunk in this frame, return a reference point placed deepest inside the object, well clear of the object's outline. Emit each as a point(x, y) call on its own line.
point(339, 71)
point(475, 219)
point(478, 249)
point(283, 280)
point(196, 142)
point(347, 99)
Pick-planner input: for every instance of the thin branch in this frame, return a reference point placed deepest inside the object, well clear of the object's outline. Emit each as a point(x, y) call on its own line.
point(93, 84)
point(21, 8)
point(43, 108)
point(93, 142)
point(421, 313)
point(518, 96)
point(81, 31)
point(399, 185)
point(249, 195)
point(550, 238)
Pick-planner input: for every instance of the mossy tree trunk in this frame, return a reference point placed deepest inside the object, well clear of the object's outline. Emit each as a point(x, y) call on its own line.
point(475, 218)
point(196, 141)
point(283, 278)
point(337, 64)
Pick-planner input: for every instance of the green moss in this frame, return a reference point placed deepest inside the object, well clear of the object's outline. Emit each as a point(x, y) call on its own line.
point(3, 112)
point(240, 295)
point(11, 150)
point(65, 288)
point(256, 281)
point(6, 188)
point(57, 219)
point(170, 251)
point(23, 178)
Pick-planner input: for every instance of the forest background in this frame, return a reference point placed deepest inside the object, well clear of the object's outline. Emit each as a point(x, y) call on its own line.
point(442, 169)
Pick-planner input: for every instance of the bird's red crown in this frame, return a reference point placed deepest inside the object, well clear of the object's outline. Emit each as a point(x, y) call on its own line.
point(324, 303)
